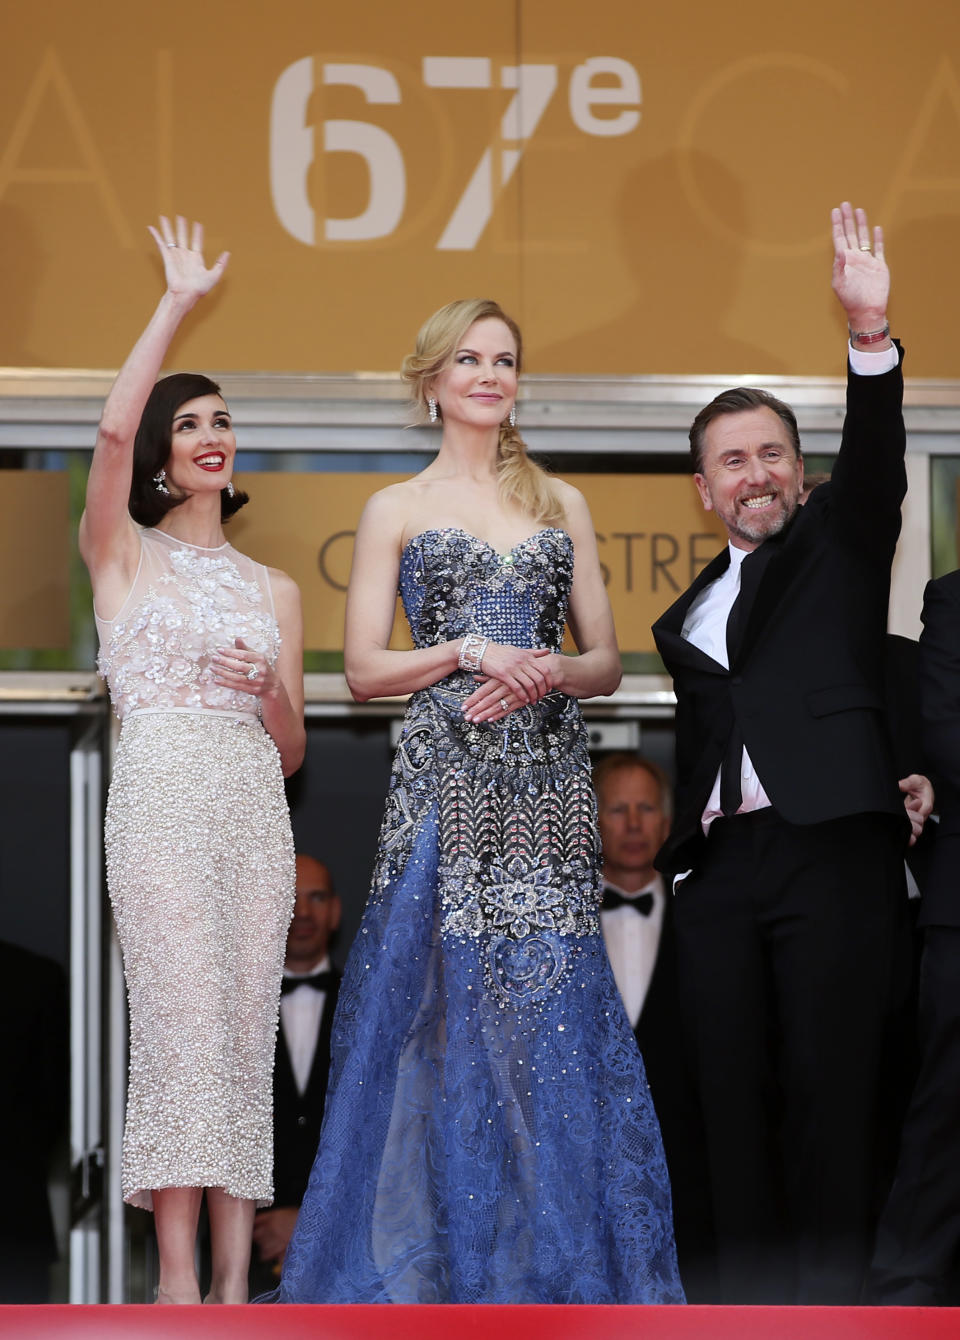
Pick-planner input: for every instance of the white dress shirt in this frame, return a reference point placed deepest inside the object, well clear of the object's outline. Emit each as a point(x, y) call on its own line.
point(632, 942)
point(300, 1015)
point(706, 627)
point(705, 624)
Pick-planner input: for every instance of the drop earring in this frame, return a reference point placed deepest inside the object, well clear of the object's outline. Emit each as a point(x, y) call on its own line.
point(432, 409)
point(158, 483)
point(231, 491)
point(512, 416)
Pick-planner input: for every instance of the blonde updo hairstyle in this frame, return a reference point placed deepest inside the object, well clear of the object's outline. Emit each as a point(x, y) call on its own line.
point(519, 479)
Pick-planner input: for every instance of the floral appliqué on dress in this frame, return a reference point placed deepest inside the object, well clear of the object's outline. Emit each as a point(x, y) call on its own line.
point(157, 654)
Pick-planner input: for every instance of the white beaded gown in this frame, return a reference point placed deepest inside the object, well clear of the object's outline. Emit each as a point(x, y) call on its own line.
point(200, 872)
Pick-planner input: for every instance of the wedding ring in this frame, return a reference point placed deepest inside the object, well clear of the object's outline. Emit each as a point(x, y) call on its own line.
point(172, 244)
point(504, 704)
point(865, 246)
point(253, 672)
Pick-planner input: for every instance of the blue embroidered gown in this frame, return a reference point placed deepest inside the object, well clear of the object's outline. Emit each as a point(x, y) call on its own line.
point(489, 1135)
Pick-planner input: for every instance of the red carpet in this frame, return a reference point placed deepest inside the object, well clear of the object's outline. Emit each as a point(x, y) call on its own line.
point(478, 1323)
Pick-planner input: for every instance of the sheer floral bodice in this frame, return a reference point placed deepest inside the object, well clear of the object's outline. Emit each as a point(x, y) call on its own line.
point(185, 604)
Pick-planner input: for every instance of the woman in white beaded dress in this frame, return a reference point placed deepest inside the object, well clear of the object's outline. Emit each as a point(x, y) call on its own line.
point(201, 648)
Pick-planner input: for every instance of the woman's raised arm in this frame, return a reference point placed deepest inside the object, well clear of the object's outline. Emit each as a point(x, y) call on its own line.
point(108, 541)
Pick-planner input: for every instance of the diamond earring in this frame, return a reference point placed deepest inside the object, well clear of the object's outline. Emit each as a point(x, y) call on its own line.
point(433, 409)
point(158, 483)
point(231, 491)
point(512, 416)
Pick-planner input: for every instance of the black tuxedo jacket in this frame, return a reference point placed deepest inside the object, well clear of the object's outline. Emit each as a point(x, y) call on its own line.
point(940, 709)
point(902, 692)
point(659, 1034)
point(806, 685)
point(906, 736)
point(297, 1117)
point(657, 1029)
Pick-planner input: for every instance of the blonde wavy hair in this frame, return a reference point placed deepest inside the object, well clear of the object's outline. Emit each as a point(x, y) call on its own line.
point(519, 480)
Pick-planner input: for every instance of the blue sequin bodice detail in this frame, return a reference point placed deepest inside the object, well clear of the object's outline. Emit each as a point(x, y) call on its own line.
point(453, 583)
point(488, 1135)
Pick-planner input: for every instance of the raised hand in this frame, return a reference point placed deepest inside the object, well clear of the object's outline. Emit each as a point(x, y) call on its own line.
point(861, 279)
point(186, 272)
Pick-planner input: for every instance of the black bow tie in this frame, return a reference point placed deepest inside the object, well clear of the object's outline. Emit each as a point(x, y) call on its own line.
point(642, 903)
point(320, 981)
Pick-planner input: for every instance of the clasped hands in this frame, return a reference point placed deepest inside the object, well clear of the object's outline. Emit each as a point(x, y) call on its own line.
point(243, 670)
point(512, 677)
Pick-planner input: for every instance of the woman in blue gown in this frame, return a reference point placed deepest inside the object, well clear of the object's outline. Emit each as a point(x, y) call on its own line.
point(489, 1135)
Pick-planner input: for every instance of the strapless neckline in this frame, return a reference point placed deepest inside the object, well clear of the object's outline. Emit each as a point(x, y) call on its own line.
point(477, 539)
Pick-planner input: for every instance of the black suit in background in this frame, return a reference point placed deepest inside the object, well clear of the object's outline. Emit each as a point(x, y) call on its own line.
point(917, 1258)
point(297, 1118)
point(787, 926)
point(902, 695)
point(35, 1064)
point(901, 1054)
point(659, 1036)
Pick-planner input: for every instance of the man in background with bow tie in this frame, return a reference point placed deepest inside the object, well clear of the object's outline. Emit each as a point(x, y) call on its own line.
point(633, 810)
point(787, 846)
point(634, 806)
point(308, 997)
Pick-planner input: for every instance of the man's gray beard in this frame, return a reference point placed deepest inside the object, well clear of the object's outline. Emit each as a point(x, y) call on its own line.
point(770, 527)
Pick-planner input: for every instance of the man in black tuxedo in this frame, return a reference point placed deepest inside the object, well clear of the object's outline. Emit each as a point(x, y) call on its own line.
point(790, 827)
point(308, 998)
point(917, 1258)
point(634, 805)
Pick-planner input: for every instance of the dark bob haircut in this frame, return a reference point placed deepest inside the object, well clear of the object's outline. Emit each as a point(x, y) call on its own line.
point(151, 449)
point(732, 402)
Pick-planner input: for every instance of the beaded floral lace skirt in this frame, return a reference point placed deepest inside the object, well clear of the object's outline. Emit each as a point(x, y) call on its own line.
point(200, 872)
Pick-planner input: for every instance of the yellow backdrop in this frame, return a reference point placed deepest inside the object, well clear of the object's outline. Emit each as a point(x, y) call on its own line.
point(652, 533)
point(34, 559)
point(646, 186)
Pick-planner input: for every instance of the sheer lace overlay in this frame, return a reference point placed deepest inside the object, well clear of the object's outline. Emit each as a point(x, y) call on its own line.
point(185, 604)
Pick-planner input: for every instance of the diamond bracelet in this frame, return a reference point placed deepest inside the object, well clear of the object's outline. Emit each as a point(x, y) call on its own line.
point(472, 651)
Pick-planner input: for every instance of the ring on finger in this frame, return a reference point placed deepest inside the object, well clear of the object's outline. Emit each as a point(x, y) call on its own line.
point(253, 673)
point(865, 246)
point(505, 705)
